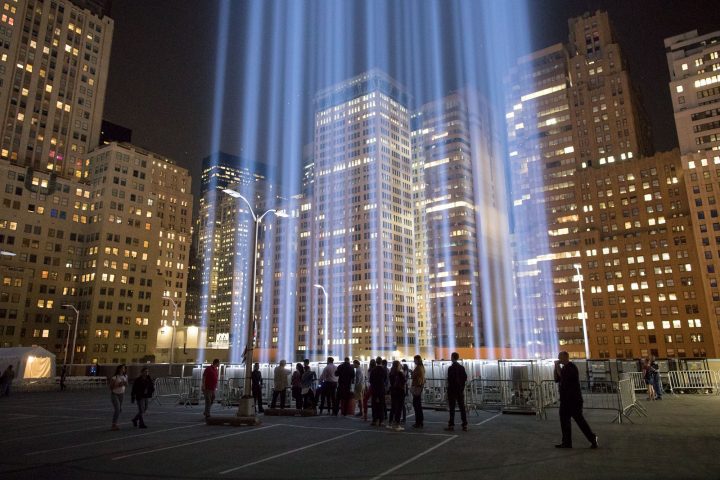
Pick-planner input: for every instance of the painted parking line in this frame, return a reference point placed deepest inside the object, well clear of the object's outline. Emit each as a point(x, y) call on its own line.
point(266, 459)
point(368, 430)
point(30, 437)
point(410, 460)
point(203, 440)
point(117, 439)
point(488, 419)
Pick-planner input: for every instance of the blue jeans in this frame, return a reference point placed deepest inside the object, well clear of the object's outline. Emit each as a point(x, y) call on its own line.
point(117, 399)
point(142, 404)
point(657, 385)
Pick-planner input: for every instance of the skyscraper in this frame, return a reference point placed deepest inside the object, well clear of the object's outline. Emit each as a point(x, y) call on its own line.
point(694, 63)
point(53, 72)
point(572, 107)
point(465, 224)
point(362, 230)
point(225, 239)
point(112, 247)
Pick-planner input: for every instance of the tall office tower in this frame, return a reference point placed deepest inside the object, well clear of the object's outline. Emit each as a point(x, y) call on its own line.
point(702, 181)
point(137, 254)
point(306, 321)
point(466, 283)
point(223, 235)
point(362, 233)
point(694, 63)
point(53, 71)
point(571, 107)
point(425, 341)
point(111, 248)
point(642, 274)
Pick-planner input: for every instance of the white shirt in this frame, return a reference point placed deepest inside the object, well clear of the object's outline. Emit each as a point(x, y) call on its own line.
point(121, 381)
point(328, 373)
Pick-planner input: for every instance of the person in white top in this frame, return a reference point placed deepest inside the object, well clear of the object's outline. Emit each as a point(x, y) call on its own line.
point(118, 382)
point(280, 384)
point(328, 386)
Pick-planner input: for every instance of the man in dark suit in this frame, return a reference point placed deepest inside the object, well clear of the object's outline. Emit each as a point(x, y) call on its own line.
point(571, 401)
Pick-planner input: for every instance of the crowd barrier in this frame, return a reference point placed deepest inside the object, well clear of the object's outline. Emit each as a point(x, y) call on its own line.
point(637, 380)
point(185, 391)
point(706, 381)
point(618, 397)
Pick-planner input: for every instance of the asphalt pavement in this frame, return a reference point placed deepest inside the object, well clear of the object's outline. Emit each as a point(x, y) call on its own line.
point(67, 434)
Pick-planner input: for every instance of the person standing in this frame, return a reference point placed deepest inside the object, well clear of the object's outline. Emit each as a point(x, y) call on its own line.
point(416, 388)
point(345, 374)
point(398, 381)
point(378, 377)
point(456, 378)
point(6, 380)
point(647, 376)
point(309, 379)
point(296, 385)
point(328, 385)
point(142, 391)
point(368, 389)
point(655, 377)
point(63, 376)
point(571, 401)
point(280, 385)
point(359, 389)
point(257, 386)
point(209, 384)
point(118, 382)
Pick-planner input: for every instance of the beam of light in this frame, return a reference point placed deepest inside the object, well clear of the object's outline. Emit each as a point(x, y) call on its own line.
point(453, 58)
point(207, 254)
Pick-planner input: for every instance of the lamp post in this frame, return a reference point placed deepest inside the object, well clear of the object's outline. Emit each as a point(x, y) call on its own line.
point(67, 341)
point(245, 405)
point(326, 323)
point(172, 338)
point(77, 320)
point(582, 311)
point(5, 253)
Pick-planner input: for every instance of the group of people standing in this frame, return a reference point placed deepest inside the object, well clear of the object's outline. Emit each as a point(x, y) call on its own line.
point(340, 387)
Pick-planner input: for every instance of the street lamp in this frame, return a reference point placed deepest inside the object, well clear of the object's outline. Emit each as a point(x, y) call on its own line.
point(582, 311)
point(245, 405)
point(5, 253)
point(77, 320)
point(326, 323)
point(67, 340)
point(172, 338)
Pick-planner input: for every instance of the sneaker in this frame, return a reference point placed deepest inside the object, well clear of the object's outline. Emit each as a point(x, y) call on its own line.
point(450, 428)
point(594, 444)
point(114, 427)
point(562, 445)
point(381, 424)
point(399, 428)
point(134, 420)
point(464, 428)
point(417, 425)
point(390, 425)
point(374, 423)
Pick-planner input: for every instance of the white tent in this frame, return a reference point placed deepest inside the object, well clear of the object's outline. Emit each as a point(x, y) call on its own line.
point(28, 362)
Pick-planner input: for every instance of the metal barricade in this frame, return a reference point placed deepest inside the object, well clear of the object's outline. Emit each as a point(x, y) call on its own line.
point(697, 380)
point(636, 379)
point(597, 395)
point(166, 387)
point(628, 401)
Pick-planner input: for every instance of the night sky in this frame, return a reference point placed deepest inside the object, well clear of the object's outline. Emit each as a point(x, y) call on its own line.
point(163, 62)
